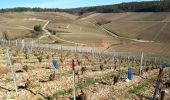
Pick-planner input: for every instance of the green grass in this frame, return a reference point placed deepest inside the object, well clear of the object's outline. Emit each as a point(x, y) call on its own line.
point(141, 86)
point(86, 83)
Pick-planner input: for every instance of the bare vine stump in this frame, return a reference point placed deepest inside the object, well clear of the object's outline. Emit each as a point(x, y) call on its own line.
point(76, 72)
point(39, 58)
point(78, 62)
point(167, 84)
point(61, 60)
point(52, 77)
point(83, 69)
point(105, 62)
point(162, 95)
point(147, 69)
point(26, 56)
point(101, 67)
point(152, 68)
point(28, 84)
point(114, 67)
point(25, 68)
point(115, 80)
point(82, 96)
point(47, 57)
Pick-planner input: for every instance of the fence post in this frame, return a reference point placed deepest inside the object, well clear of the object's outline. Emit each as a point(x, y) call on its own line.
point(23, 44)
point(61, 51)
point(12, 69)
point(141, 62)
point(74, 82)
point(16, 42)
point(32, 45)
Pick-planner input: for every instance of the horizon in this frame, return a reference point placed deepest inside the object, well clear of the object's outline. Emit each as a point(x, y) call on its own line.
point(61, 4)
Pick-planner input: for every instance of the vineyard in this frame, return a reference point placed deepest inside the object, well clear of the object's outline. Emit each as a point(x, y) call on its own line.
point(93, 57)
point(28, 72)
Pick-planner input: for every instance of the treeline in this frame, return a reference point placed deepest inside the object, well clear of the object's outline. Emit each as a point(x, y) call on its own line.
point(23, 9)
point(147, 6)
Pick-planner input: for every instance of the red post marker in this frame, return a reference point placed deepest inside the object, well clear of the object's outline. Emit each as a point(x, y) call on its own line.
point(73, 65)
point(74, 82)
point(160, 75)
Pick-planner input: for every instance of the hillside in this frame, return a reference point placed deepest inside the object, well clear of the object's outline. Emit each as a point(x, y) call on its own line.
point(101, 27)
point(89, 29)
point(144, 26)
point(143, 6)
point(112, 52)
point(64, 29)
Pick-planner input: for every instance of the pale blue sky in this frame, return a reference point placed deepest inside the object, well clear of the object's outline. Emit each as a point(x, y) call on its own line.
point(58, 3)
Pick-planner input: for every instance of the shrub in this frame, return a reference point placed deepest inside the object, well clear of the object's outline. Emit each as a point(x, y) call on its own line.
point(37, 28)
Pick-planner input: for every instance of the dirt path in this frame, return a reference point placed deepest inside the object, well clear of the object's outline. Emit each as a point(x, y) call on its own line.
point(49, 34)
point(117, 36)
point(43, 28)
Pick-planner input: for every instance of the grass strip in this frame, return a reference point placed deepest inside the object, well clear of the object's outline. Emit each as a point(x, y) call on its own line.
point(141, 86)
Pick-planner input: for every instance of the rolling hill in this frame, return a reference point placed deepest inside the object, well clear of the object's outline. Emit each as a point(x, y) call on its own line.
point(147, 26)
point(111, 29)
point(67, 28)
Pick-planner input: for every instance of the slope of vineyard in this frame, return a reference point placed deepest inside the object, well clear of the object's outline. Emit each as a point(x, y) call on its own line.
point(59, 54)
point(141, 26)
point(145, 26)
point(33, 71)
point(19, 25)
point(157, 48)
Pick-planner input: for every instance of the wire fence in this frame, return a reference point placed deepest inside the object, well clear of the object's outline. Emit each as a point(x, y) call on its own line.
point(81, 49)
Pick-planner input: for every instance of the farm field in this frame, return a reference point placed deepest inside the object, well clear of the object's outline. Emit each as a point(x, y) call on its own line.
point(71, 29)
point(145, 26)
point(34, 70)
point(66, 26)
point(102, 46)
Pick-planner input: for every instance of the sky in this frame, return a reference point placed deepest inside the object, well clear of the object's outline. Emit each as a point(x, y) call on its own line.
point(58, 3)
